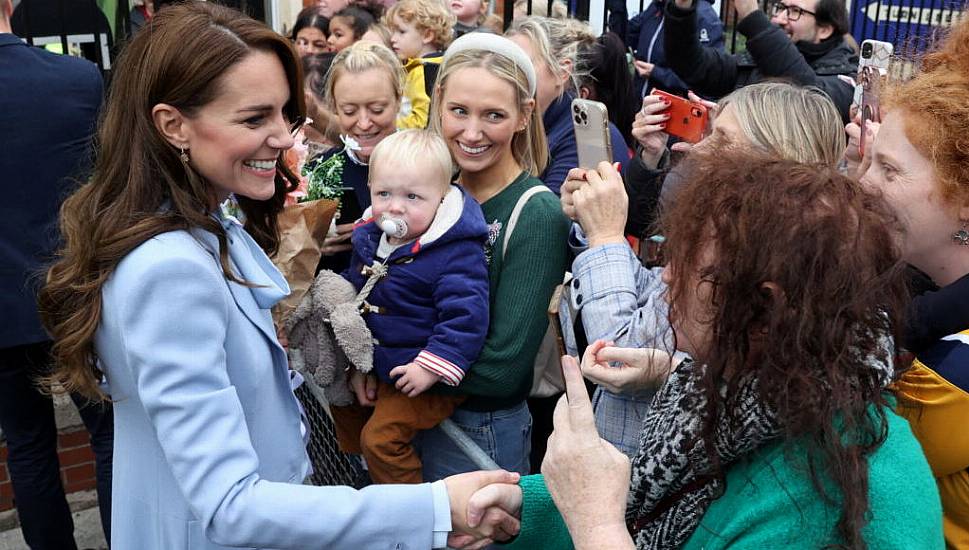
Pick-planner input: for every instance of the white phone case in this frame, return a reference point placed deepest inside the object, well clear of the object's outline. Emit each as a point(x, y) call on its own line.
point(590, 119)
point(880, 58)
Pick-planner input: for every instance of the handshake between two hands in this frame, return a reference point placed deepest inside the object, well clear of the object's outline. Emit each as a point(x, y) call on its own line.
point(485, 507)
point(586, 476)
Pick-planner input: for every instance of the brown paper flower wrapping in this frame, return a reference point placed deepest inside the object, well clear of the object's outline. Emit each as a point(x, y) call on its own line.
point(302, 228)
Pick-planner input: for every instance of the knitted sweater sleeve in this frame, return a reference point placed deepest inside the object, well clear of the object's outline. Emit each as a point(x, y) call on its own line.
point(541, 524)
point(533, 265)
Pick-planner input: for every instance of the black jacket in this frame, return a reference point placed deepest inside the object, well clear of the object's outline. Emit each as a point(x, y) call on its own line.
point(770, 54)
point(643, 187)
point(935, 312)
point(50, 105)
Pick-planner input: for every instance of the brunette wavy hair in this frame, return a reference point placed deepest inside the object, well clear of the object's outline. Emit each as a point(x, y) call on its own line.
point(805, 285)
point(140, 188)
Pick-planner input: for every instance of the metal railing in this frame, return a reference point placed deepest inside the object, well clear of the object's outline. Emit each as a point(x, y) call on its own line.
point(910, 25)
point(331, 466)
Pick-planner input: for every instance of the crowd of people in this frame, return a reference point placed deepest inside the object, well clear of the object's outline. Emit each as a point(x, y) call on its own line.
point(770, 322)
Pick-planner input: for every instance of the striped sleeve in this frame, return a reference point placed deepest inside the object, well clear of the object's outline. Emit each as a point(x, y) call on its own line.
point(450, 373)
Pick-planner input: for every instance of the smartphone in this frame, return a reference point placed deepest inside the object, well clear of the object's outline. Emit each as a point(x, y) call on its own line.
point(873, 65)
point(590, 120)
point(869, 80)
point(874, 53)
point(688, 120)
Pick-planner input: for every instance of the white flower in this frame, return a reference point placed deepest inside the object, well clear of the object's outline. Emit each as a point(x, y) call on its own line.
point(350, 143)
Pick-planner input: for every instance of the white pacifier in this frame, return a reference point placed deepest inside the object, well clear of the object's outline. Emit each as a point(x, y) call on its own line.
point(393, 227)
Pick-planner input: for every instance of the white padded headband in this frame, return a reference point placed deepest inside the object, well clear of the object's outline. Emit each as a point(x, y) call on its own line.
point(500, 45)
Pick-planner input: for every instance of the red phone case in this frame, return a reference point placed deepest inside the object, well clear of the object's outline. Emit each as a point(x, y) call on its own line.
point(688, 120)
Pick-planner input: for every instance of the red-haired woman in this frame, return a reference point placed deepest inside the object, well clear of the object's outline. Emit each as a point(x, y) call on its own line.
point(779, 432)
point(920, 161)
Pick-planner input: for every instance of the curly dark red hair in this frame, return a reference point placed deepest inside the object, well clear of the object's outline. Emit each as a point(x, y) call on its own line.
point(816, 335)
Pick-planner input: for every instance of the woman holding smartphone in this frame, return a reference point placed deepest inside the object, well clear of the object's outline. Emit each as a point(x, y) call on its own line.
point(919, 162)
point(484, 107)
point(780, 431)
point(558, 51)
point(621, 300)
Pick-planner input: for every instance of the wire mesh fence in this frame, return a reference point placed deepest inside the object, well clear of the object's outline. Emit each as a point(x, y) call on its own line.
point(331, 466)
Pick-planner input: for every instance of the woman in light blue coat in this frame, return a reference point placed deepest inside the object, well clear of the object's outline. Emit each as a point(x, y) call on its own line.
point(169, 300)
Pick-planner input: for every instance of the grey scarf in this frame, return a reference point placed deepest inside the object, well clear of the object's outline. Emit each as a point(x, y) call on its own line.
point(673, 476)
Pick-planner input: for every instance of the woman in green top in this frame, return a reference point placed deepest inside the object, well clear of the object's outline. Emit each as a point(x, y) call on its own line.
point(484, 107)
point(784, 286)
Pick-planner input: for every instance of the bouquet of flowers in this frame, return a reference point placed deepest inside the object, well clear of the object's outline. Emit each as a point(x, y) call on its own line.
point(304, 223)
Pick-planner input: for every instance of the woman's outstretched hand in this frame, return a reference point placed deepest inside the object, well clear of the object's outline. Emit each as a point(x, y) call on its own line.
point(587, 477)
point(491, 521)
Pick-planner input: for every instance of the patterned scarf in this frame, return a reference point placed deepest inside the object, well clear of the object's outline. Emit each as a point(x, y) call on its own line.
point(673, 477)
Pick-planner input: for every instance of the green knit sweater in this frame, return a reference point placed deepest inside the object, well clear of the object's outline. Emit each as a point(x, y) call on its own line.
point(521, 285)
point(770, 502)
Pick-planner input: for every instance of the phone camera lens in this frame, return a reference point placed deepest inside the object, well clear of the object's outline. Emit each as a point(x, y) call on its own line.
point(578, 119)
point(697, 113)
point(866, 51)
point(575, 109)
point(584, 116)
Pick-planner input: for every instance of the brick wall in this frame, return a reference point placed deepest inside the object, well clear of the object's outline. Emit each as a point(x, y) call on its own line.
point(77, 465)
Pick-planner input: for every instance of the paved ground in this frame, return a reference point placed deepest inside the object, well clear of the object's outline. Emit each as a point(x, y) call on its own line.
point(87, 533)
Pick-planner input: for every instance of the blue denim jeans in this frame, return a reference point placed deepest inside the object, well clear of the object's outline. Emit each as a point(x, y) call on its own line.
point(504, 435)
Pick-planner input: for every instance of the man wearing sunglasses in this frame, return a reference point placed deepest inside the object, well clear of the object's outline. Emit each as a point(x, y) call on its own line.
point(799, 40)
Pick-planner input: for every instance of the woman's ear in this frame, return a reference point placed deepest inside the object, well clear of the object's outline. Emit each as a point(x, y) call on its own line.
point(527, 108)
point(566, 69)
point(171, 124)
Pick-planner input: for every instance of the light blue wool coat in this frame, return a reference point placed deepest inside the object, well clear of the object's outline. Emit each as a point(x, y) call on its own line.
point(208, 447)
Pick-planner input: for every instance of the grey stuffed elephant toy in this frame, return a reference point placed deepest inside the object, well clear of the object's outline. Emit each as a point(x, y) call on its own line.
point(328, 336)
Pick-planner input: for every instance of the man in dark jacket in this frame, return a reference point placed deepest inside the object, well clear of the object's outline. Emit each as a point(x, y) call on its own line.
point(803, 42)
point(645, 36)
point(50, 104)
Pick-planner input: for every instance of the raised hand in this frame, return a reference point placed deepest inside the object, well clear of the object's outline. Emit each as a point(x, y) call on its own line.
point(573, 181)
point(587, 477)
point(601, 205)
point(648, 129)
point(857, 163)
point(745, 8)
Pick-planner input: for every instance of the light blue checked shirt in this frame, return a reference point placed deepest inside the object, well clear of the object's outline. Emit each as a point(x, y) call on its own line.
point(623, 302)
